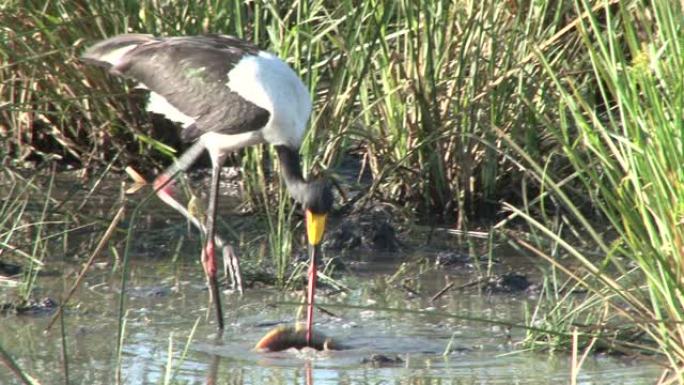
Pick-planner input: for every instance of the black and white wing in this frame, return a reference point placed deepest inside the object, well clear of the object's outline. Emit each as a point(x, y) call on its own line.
point(187, 77)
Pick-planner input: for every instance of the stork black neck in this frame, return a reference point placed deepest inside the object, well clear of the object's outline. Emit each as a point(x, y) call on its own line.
point(314, 195)
point(291, 169)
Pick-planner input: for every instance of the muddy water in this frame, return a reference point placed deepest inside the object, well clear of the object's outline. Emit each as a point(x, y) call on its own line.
point(166, 298)
point(164, 301)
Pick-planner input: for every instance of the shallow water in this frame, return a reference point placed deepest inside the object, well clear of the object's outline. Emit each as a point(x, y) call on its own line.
point(165, 299)
point(164, 302)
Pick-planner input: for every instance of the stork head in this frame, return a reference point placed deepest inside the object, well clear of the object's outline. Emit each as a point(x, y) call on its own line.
point(317, 200)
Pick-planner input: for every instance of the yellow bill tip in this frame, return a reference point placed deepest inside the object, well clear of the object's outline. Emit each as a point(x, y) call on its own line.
point(315, 226)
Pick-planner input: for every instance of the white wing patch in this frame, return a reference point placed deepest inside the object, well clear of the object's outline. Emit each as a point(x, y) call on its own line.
point(158, 104)
point(114, 57)
point(272, 85)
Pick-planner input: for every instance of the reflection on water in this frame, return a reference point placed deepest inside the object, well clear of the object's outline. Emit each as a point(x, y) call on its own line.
point(164, 303)
point(165, 299)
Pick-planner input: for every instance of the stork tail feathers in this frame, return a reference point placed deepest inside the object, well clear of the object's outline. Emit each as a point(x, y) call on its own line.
point(108, 53)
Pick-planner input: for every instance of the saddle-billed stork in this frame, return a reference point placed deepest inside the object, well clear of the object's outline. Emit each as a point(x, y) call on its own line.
point(227, 94)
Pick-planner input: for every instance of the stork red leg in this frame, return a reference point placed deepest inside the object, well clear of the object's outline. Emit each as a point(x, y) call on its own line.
point(164, 187)
point(208, 253)
point(311, 292)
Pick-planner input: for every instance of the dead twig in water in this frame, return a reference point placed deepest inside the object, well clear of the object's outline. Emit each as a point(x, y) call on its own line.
point(96, 253)
point(441, 292)
point(451, 284)
point(410, 290)
point(327, 312)
point(10, 364)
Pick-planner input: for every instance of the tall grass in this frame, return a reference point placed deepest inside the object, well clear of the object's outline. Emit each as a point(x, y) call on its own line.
point(22, 232)
point(411, 87)
point(40, 223)
point(622, 133)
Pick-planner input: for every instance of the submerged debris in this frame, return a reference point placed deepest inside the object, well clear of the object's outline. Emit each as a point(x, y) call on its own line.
point(9, 269)
point(149, 291)
point(43, 306)
point(451, 258)
point(460, 259)
point(344, 237)
point(350, 235)
point(382, 237)
point(508, 283)
point(286, 337)
point(381, 360)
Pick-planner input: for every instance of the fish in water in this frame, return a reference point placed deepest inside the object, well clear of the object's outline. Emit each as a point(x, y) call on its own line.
point(284, 337)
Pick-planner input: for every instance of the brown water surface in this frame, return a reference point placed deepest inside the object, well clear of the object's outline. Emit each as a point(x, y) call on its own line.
point(165, 299)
